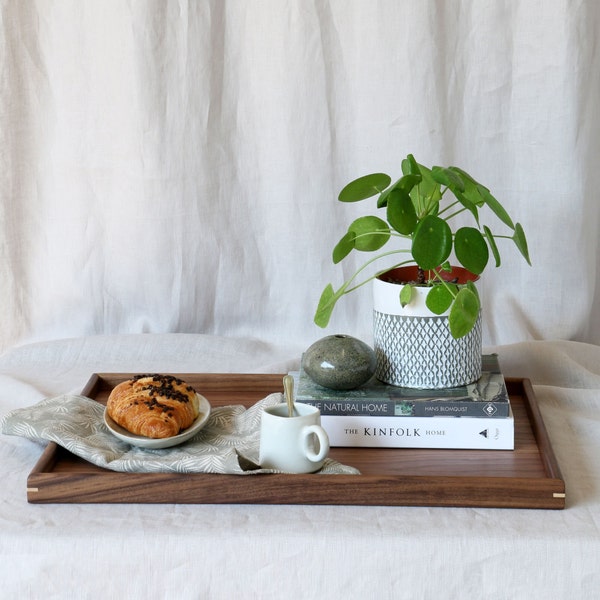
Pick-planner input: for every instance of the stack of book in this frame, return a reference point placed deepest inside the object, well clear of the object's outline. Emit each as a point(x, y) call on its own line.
point(378, 415)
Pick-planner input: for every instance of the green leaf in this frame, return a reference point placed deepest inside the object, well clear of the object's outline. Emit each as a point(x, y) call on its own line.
point(408, 182)
point(492, 244)
point(495, 206)
point(343, 247)
point(473, 288)
point(427, 195)
point(440, 298)
point(405, 183)
point(432, 242)
point(325, 306)
point(370, 233)
point(410, 166)
point(471, 193)
point(464, 312)
point(521, 242)
point(471, 249)
point(463, 174)
point(364, 187)
point(448, 178)
point(406, 294)
point(401, 213)
point(468, 204)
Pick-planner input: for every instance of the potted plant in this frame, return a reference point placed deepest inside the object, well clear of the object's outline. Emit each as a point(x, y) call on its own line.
point(422, 289)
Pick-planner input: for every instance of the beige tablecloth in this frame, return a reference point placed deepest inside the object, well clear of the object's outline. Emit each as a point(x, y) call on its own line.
point(186, 552)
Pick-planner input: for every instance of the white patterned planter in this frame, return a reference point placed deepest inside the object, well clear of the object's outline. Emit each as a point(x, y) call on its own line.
point(414, 347)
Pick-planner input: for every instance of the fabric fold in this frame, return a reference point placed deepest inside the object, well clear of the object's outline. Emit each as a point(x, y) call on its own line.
point(228, 443)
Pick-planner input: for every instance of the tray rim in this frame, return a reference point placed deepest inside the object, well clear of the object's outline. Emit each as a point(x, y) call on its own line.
point(376, 489)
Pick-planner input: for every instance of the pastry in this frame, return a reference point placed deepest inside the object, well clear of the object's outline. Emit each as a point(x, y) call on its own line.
point(155, 406)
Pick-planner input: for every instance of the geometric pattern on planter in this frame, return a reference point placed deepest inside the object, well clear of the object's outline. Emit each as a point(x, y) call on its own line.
point(420, 352)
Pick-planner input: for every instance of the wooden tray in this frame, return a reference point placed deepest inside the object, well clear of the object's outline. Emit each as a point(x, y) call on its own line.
point(528, 477)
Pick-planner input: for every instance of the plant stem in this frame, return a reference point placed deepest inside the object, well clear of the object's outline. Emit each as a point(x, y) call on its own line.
point(446, 208)
point(455, 213)
point(420, 206)
point(345, 289)
point(444, 282)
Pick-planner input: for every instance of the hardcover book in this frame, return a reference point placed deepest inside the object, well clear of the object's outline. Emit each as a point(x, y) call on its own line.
point(473, 433)
point(487, 397)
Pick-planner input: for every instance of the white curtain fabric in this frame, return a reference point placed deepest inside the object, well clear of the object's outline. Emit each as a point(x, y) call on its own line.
point(170, 166)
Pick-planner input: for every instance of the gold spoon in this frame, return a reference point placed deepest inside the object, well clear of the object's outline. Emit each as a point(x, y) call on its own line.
point(288, 388)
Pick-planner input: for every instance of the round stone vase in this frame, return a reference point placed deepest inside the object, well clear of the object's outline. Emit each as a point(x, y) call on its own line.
point(413, 346)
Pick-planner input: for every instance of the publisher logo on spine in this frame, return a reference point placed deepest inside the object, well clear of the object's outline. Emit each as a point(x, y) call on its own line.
point(489, 409)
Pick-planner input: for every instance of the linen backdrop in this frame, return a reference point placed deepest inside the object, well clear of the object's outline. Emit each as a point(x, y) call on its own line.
point(173, 166)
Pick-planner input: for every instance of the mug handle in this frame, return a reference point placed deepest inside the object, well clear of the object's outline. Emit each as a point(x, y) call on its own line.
point(323, 442)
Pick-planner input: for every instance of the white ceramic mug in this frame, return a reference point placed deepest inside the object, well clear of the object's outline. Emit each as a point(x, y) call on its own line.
point(295, 444)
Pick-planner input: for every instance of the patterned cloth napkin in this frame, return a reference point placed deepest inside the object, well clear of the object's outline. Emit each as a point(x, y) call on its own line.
point(228, 443)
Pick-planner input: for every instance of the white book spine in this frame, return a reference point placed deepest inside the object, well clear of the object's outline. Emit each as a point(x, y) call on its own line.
point(472, 433)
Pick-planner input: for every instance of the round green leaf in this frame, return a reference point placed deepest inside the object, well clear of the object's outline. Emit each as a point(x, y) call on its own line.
point(471, 249)
point(464, 312)
point(401, 213)
point(370, 233)
point(408, 182)
point(406, 294)
point(439, 299)
point(364, 187)
point(343, 247)
point(325, 306)
point(405, 183)
point(432, 242)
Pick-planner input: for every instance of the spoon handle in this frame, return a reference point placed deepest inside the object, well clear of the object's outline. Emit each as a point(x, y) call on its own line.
point(288, 388)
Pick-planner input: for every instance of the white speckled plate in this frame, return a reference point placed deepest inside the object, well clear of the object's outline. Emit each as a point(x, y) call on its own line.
point(145, 442)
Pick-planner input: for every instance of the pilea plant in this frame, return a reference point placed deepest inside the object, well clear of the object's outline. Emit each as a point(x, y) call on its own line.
point(420, 207)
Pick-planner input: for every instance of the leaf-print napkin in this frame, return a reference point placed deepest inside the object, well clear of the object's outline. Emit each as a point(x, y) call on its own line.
point(228, 443)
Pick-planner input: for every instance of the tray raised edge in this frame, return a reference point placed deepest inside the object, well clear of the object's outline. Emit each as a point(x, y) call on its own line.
point(47, 485)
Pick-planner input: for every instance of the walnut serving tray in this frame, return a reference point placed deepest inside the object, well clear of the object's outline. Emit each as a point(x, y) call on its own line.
point(527, 477)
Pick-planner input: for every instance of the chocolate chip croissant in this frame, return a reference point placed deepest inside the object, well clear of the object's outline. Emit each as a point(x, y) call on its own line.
point(155, 406)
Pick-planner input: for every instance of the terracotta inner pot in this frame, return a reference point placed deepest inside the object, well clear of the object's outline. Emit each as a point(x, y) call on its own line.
point(410, 274)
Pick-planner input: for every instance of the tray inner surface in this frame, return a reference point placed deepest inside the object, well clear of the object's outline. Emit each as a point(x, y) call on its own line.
point(526, 477)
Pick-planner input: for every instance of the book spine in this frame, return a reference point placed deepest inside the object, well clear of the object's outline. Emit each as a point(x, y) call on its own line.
point(420, 408)
point(420, 432)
